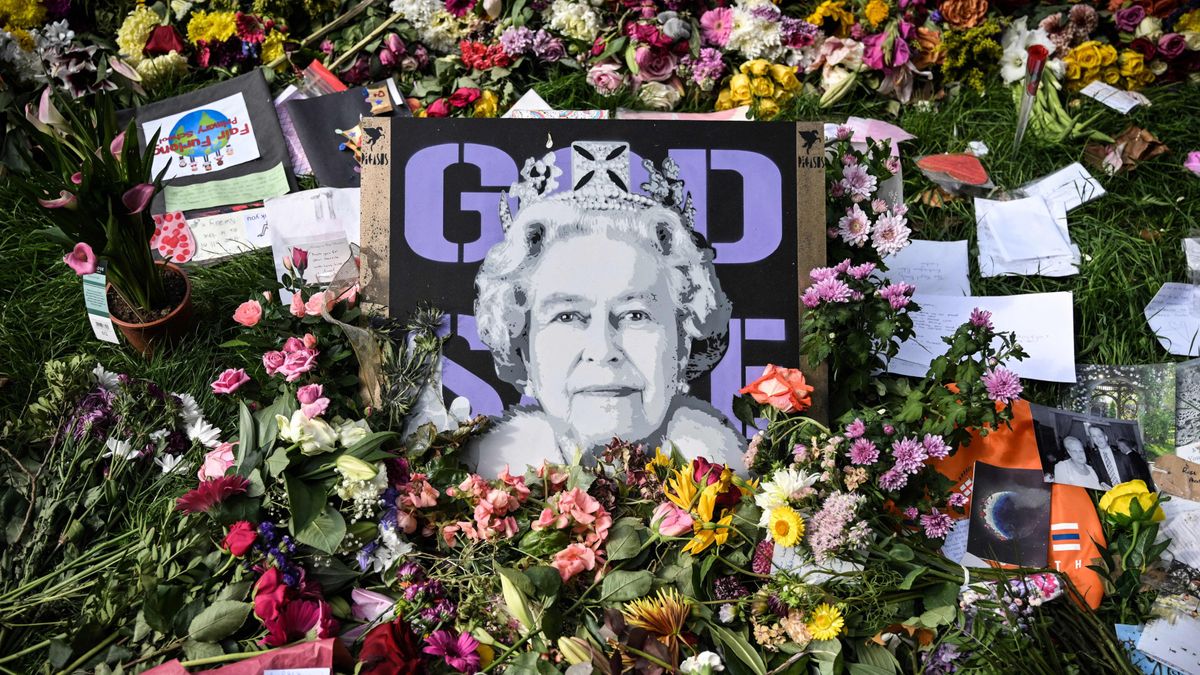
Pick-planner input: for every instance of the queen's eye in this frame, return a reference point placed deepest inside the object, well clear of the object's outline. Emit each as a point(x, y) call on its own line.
point(566, 317)
point(637, 316)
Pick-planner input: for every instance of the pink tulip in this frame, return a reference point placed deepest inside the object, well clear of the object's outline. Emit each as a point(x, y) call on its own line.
point(81, 259)
point(66, 200)
point(230, 381)
point(138, 197)
point(672, 521)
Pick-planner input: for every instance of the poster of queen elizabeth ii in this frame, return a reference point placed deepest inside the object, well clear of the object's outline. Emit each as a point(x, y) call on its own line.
point(597, 295)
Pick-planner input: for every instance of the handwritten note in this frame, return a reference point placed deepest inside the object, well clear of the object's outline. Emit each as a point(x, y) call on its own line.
point(219, 236)
point(955, 545)
point(1174, 316)
point(323, 221)
point(1173, 642)
point(1043, 322)
point(1118, 99)
point(1072, 186)
point(934, 267)
point(257, 231)
point(1182, 527)
point(1176, 476)
point(253, 187)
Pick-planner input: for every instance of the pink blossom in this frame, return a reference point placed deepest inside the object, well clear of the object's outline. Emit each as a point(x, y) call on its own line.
point(654, 64)
point(574, 559)
point(81, 259)
point(297, 363)
point(312, 403)
point(216, 462)
point(248, 313)
point(230, 381)
point(856, 428)
point(716, 25)
point(297, 307)
point(138, 197)
point(937, 525)
point(310, 340)
point(293, 344)
point(606, 78)
point(855, 226)
point(981, 318)
point(420, 493)
point(516, 483)
point(863, 452)
point(315, 304)
point(299, 257)
point(273, 361)
point(1192, 163)
point(861, 271)
point(66, 200)
point(1003, 385)
point(671, 521)
point(957, 500)
point(117, 145)
point(369, 605)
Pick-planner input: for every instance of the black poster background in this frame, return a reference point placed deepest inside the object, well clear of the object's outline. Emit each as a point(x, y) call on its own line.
point(765, 289)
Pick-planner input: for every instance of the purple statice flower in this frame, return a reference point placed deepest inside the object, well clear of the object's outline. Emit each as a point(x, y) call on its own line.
point(861, 271)
point(957, 500)
point(729, 588)
point(981, 318)
point(547, 47)
point(854, 227)
point(458, 651)
point(937, 525)
point(708, 68)
point(893, 479)
point(517, 41)
point(936, 446)
point(909, 455)
point(898, 294)
point(856, 428)
point(863, 452)
point(858, 182)
point(797, 33)
point(1003, 385)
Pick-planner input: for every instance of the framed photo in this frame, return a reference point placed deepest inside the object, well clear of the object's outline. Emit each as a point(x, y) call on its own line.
point(615, 279)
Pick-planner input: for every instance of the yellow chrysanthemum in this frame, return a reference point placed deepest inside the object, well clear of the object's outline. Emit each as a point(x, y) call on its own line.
point(1189, 23)
point(786, 526)
point(272, 46)
point(211, 26)
point(488, 104)
point(826, 622)
point(662, 615)
point(876, 12)
point(21, 14)
point(834, 11)
point(23, 38)
point(134, 31)
point(160, 69)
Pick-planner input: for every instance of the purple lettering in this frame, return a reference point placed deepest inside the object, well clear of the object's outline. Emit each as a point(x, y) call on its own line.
point(762, 206)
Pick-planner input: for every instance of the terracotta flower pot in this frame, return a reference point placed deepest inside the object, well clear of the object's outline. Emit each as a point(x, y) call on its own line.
point(144, 337)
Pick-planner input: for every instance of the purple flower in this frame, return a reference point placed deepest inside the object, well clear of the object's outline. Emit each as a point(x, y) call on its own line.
point(858, 182)
point(764, 551)
point(937, 525)
point(893, 479)
point(1127, 19)
point(729, 588)
point(957, 500)
point(547, 47)
point(855, 428)
point(898, 295)
point(981, 318)
point(797, 33)
point(1003, 385)
point(707, 68)
point(863, 451)
point(516, 40)
point(936, 446)
point(833, 290)
point(855, 226)
point(1171, 45)
point(910, 455)
point(458, 651)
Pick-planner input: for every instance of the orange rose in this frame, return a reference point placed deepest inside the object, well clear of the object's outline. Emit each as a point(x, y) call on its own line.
point(929, 48)
point(964, 13)
point(781, 388)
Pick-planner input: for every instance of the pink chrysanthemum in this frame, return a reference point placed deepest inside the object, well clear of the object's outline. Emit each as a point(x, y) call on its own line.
point(861, 271)
point(893, 479)
point(909, 454)
point(936, 446)
point(856, 428)
point(863, 452)
point(854, 227)
point(858, 182)
point(937, 525)
point(1003, 385)
point(898, 294)
point(891, 234)
point(957, 500)
point(981, 318)
point(209, 493)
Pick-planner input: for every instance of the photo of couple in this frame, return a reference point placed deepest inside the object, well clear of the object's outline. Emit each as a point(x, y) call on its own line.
point(1089, 451)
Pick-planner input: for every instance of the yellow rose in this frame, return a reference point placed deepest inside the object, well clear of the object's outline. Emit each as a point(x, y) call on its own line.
point(1073, 70)
point(724, 100)
point(785, 76)
point(876, 12)
point(739, 89)
point(1108, 55)
point(1116, 501)
point(1110, 76)
point(1087, 54)
point(762, 86)
point(1189, 23)
point(1132, 63)
point(757, 67)
point(767, 109)
point(487, 105)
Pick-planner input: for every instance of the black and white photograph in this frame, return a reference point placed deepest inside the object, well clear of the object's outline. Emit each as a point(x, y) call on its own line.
point(602, 281)
point(1145, 393)
point(1087, 450)
point(1010, 516)
point(1187, 410)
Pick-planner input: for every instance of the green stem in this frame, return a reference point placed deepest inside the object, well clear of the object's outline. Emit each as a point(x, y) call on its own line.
point(23, 652)
point(739, 570)
point(223, 658)
point(503, 655)
point(90, 653)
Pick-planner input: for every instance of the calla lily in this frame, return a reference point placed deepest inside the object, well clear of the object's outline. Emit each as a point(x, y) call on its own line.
point(81, 259)
point(66, 200)
point(77, 178)
point(124, 69)
point(117, 145)
point(138, 197)
point(47, 119)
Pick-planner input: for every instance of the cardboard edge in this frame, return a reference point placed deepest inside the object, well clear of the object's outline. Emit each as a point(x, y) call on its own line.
point(810, 247)
point(375, 217)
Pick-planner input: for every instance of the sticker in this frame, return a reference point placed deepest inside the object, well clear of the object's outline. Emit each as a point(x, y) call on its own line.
point(206, 139)
point(173, 238)
point(96, 300)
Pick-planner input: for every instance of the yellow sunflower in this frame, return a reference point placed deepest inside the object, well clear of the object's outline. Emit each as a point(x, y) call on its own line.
point(663, 615)
point(826, 622)
point(786, 526)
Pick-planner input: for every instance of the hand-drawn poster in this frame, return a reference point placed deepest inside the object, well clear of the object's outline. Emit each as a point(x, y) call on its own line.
point(207, 139)
point(616, 279)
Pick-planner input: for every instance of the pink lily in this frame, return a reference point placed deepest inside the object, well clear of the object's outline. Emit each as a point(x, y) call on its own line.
point(47, 119)
point(66, 200)
point(138, 197)
point(81, 259)
point(117, 145)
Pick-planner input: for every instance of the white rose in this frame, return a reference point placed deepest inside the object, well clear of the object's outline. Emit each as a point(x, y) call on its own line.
point(1150, 28)
point(659, 95)
point(351, 432)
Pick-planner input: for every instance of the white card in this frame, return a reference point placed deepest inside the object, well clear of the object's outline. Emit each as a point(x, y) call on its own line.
point(324, 222)
point(1174, 316)
point(204, 140)
point(1071, 185)
point(1118, 99)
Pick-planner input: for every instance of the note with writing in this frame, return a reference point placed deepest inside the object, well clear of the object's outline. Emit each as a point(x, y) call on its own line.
point(1182, 527)
point(225, 234)
point(1173, 641)
point(955, 545)
point(324, 222)
point(934, 267)
point(1043, 322)
point(1176, 476)
point(1118, 99)
point(1174, 317)
point(1072, 186)
point(251, 187)
point(204, 140)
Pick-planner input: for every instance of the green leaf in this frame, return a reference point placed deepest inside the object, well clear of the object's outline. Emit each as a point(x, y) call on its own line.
point(257, 488)
point(912, 576)
point(623, 586)
point(625, 539)
point(325, 532)
point(877, 657)
point(939, 616)
point(827, 654)
point(307, 501)
point(368, 448)
point(195, 650)
point(740, 647)
point(277, 462)
point(218, 621)
point(546, 582)
point(612, 47)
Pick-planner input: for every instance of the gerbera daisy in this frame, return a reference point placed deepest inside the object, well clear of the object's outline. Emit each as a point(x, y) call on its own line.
point(458, 651)
point(663, 615)
point(786, 526)
point(209, 493)
point(826, 622)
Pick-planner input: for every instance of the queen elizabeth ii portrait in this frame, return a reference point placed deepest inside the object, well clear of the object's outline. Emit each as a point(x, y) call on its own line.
point(601, 305)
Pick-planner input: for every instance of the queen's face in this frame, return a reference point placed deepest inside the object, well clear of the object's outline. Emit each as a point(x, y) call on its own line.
point(604, 349)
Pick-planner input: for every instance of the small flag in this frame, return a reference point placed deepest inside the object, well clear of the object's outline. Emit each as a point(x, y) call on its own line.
point(1064, 536)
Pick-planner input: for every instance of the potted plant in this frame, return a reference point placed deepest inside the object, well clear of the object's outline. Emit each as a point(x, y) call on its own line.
point(94, 183)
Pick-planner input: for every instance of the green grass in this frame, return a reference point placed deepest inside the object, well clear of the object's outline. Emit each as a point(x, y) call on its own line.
point(42, 313)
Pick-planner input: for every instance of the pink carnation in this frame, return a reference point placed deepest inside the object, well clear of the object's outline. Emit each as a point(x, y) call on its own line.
point(572, 560)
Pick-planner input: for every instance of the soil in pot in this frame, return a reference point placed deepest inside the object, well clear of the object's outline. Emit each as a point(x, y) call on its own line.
point(175, 287)
point(160, 325)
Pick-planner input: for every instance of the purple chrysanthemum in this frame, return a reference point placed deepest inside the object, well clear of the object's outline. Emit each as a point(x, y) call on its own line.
point(863, 451)
point(909, 454)
point(981, 318)
point(937, 525)
point(936, 446)
point(856, 428)
point(893, 479)
point(1003, 385)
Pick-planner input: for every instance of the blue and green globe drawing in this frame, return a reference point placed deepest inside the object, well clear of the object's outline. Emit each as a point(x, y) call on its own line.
point(200, 133)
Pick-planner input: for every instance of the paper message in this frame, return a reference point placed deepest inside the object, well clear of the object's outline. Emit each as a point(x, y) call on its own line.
point(1118, 99)
point(221, 235)
point(203, 140)
point(1173, 642)
point(737, 114)
point(934, 267)
point(1176, 476)
point(257, 231)
point(1032, 257)
point(1129, 635)
point(1174, 318)
point(1072, 186)
point(253, 187)
point(1043, 322)
point(1182, 527)
point(955, 545)
point(323, 222)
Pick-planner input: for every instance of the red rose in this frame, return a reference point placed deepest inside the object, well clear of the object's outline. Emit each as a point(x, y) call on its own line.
point(706, 473)
point(240, 538)
point(1147, 48)
point(163, 40)
point(391, 649)
point(781, 388)
point(439, 108)
point(464, 97)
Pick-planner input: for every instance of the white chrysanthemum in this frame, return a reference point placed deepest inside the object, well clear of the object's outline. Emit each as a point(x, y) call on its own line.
point(576, 20)
point(105, 378)
point(200, 430)
point(753, 37)
point(436, 27)
point(785, 485)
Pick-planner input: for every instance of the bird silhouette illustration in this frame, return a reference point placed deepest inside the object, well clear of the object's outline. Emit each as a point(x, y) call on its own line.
point(810, 139)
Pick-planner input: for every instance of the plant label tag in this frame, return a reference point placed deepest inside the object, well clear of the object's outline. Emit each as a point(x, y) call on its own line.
point(96, 301)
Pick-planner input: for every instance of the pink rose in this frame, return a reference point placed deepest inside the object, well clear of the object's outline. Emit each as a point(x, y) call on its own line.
point(216, 462)
point(315, 304)
point(1171, 45)
point(230, 381)
point(297, 363)
point(297, 306)
point(654, 65)
point(1192, 163)
point(312, 403)
point(81, 259)
point(572, 560)
point(606, 78)
point(293, 344)
point(248, 313)
point(672, 521)
point(273, 361)
point(781, 388)
point(299, 257)
point(310, 340)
